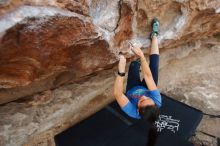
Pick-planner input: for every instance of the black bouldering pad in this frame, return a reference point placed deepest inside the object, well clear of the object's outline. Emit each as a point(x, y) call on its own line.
point(175, 113)
point(112, 127)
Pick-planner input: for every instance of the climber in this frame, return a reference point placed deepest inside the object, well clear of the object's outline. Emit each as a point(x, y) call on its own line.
point(142, 99)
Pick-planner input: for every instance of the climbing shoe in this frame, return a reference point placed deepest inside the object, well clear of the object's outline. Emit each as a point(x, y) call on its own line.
point(155, 27)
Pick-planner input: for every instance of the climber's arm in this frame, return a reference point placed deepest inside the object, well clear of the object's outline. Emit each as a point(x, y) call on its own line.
point(145, 69)
point(119, 81)
point(118, 91)
point(147, 74)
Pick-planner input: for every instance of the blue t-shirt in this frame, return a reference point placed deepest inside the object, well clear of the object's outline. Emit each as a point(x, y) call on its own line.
point(134, 94)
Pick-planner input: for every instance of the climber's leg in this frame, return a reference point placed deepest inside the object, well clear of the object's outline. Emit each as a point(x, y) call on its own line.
point(154, 52)
point(154, 66)
point(154, 46)
point(133, 75)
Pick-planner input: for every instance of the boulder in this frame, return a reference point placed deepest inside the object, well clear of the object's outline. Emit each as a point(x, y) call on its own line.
point(46, 45)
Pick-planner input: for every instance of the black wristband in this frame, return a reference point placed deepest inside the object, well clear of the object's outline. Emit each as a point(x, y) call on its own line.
point(121, 74)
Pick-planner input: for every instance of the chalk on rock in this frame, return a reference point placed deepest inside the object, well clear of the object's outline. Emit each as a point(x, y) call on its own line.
point(135, 43)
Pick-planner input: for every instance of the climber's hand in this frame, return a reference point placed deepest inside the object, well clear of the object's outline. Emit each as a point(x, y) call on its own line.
point(122, 63)
point(137, 51)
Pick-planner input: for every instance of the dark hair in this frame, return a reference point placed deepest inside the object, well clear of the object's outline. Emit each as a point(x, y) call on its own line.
point(150, 114)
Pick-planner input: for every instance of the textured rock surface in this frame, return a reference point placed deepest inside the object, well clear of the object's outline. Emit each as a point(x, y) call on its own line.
point(40, 115)
point(50, 43)
point(45, 44)
point(197, 80)
point(35, 120)
point(55, 49)
point(190, 74)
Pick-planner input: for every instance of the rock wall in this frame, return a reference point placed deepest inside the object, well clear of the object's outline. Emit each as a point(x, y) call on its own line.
point(36, 119)
point(190, 74)
point(46, 44)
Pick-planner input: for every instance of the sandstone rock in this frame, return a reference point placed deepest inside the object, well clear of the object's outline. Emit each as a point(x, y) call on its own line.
point(193, 78)
point(71, 5)
point(181, 21)
point(105, 14)
point(204, 140)
point(37, 48)
point(124, 30)
point(190, 74)
point(45, 44)
point(4, 3)
point(31, 122)
point(209, 125)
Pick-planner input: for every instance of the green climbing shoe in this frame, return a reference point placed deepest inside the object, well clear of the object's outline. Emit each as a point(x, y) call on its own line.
point(155, 27)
